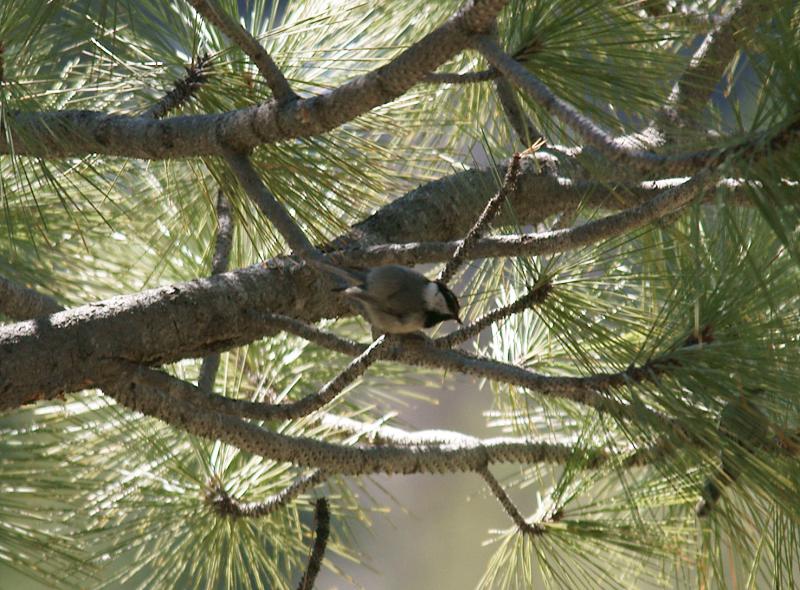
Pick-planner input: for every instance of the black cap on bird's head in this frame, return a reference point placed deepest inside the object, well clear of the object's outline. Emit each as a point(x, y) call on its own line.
point(442, 305)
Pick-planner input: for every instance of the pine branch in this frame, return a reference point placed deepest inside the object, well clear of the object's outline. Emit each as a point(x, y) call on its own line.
point(281, 90)
point(322, 516)
point(509, 506)
point(204, 399)
point(183, 90)
point(711, 59)
point(464, 246)
point(72, 133)
point(535, 296)
point(330, 457)
point(219, 263)
point(149, 319)
point(229, 506)
point(547, 242)
point(254, 187)
point(21, 303)
point(519, 121)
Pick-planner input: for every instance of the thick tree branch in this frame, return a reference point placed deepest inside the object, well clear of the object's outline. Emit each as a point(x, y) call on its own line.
point(547, 242)
point(78, 133)
point(465, 78)
point(192, 319)
point(247, 43)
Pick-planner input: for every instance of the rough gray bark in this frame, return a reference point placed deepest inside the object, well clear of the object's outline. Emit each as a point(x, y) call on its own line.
point(79, 133)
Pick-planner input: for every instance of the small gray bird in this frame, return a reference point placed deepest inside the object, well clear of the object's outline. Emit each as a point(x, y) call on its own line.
point(396, 299)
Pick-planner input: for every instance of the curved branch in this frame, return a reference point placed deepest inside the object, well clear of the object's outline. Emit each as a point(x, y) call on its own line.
point(227, 505)
point(247, 43)
point(548, 242)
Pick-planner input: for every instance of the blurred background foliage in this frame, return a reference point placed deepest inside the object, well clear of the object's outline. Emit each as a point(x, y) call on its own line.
point(94, 496)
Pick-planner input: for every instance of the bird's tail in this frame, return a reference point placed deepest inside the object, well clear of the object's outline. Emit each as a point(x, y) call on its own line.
point(349, 277)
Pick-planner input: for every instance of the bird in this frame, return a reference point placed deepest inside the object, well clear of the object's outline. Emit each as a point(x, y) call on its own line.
point(397, 299)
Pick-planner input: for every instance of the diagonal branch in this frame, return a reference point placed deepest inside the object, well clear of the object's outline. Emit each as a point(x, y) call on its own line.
point(206, 400)
point(547, 242)
point(322, 517)
point(589, 131)
point(183, 90)
point(509, 188)
point(246, 42)
point(534, 296)
point(517, 118)
point(253, 185)
point(711, 59)
point(508, 505)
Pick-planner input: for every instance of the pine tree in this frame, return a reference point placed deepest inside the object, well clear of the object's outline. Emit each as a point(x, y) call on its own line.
point(609, 187)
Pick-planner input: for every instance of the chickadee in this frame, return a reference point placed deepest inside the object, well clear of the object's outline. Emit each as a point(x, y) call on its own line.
point(396, 299)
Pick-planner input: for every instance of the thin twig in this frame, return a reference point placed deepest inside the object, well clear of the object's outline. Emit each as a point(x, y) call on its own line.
point(226, 505)
point(184, 89)
point(205, 399)
point(508, 505)
point(253, 185)
point(488, 213)
point(534, 296)
point(246, 42)
point(517, 118)
point(219, 263)
point(322, 517)
point(313, 334)
point(547, 242)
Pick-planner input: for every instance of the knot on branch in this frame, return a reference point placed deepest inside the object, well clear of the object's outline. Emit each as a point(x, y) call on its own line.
point(219, 500)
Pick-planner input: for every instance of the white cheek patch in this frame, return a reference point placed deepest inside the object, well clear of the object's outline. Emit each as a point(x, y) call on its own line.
point(434, 300)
